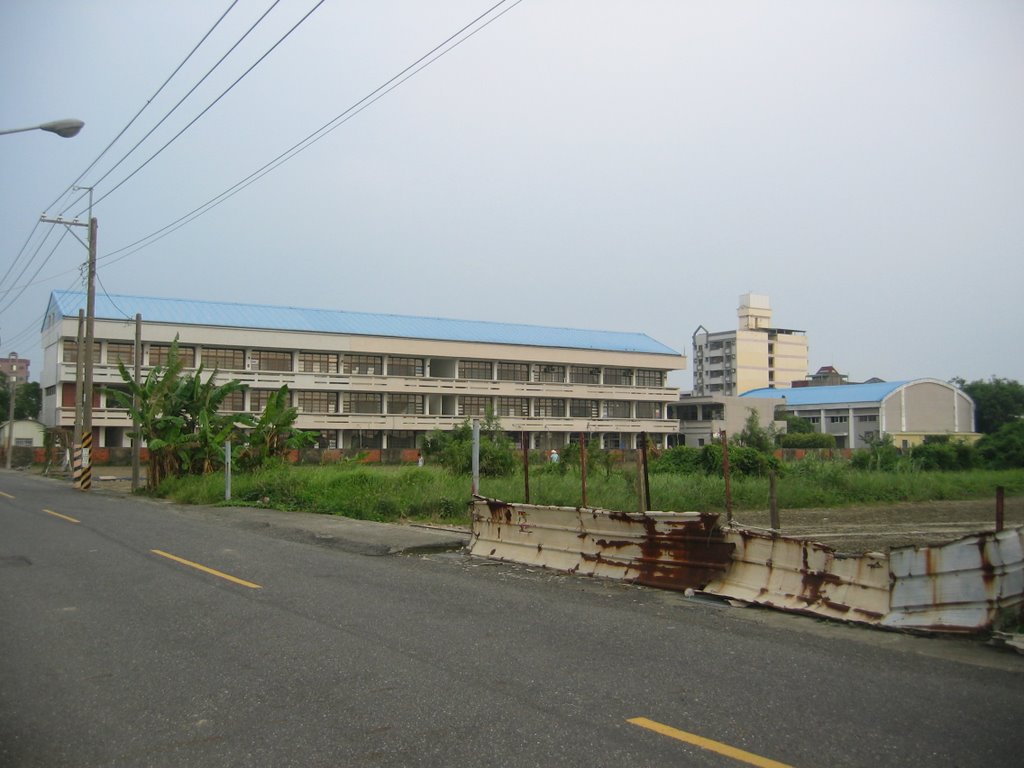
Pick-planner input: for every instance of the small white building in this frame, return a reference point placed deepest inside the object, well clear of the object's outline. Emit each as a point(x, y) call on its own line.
point(27, 433)
point(703, 418)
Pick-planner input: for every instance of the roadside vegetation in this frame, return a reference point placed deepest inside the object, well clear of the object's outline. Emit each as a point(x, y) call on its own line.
point(436, 494)
point(181, 419)
point(184, 427)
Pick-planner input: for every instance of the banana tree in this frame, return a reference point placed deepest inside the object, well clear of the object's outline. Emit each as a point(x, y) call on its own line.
point(273, 434)
point(178, 417)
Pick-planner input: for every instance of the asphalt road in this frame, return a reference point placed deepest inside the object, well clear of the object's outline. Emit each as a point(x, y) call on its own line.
point(118, 649)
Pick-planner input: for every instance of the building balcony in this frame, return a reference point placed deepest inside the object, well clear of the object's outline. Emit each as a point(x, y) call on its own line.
point(117, 417)
point(108, 375)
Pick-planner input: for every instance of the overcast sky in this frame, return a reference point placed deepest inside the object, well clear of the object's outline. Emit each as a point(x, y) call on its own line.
point(630, 166)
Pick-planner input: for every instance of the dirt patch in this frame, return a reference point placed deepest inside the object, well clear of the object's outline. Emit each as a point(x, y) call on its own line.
point(880, 528)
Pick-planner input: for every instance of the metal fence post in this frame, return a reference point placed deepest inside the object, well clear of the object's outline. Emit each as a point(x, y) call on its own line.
point(227, 470)
point(583, 465)
point(726, 477)
point(526, 465)
point(647, 476)
point(773, 501)
point(476, 457)
point(1000, 496)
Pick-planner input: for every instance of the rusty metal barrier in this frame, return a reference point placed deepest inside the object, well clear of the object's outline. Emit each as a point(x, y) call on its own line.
point(960, 586)
point(805, 576)
point(674, 550)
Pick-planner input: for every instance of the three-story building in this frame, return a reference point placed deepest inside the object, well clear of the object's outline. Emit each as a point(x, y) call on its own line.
point(366, 380)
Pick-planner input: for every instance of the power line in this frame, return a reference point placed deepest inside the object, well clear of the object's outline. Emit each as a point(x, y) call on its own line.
point(441, 49)
point(213, 103)
point(21, 251)
point(382, 90)
point(34, 274)
point(112, 302)
point(33, 327)
point(71, 187)
point(150, 101)
point(123, 130)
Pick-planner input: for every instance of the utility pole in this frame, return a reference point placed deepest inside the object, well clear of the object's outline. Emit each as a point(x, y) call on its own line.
point(86, 356)
point(136, 441)
point(76, 446)
point(10, 409)
point(90, 337)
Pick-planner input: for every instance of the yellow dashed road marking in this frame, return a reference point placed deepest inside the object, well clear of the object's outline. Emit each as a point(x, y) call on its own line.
point(714, 746)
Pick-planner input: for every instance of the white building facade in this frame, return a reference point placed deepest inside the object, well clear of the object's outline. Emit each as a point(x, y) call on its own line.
point(373, 381)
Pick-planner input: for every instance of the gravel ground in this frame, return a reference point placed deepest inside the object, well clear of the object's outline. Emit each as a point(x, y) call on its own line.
point(880, 528)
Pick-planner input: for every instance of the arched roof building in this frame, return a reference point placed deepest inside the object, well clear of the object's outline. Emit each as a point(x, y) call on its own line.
point(855, 414)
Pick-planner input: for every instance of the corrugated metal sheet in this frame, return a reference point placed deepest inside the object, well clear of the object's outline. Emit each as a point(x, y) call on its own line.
point(955, 587)
point(184, 312)
point(674, 550)
point(959, 586)
point(805, 576)
point(875, 392)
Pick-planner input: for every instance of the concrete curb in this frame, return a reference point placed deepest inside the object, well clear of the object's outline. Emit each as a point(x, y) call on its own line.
point(361, 537)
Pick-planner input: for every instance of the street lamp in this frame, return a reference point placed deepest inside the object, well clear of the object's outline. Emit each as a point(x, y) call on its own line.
point(63, 128)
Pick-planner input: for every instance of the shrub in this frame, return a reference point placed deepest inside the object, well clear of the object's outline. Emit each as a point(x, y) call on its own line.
point(1003, 449)
point(808, 440)
point(943, 454)
point(742, 461)
point(753, 435)
point(750, 461)
point(880, 454)
point(454, 450)
point(683, 459)
point(597, 458)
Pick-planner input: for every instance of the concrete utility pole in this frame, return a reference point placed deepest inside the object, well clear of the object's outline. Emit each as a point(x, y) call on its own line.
point(90, 336)
point(76, 446)
point(86, 355)
point(10, 409)
point(137, 440)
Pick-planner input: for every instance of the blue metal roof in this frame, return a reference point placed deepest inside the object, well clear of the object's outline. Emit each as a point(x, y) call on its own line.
point(187, 312)
point(875, 392)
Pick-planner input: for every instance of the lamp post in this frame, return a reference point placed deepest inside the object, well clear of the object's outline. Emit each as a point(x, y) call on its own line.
point(66, 129)
point(63, 128)
point(10, 407)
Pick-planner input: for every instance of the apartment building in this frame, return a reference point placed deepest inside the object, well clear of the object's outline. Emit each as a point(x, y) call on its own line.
point(15, 366)
point(367, 380)
point(754, 355)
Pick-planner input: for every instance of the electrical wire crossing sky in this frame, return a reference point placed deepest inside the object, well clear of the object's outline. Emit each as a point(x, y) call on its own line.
point(627, 167)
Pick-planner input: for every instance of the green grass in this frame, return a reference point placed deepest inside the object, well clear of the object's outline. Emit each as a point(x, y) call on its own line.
point(431, 493)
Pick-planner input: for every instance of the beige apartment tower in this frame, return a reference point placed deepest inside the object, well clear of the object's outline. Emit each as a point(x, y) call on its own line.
point(754, 356)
